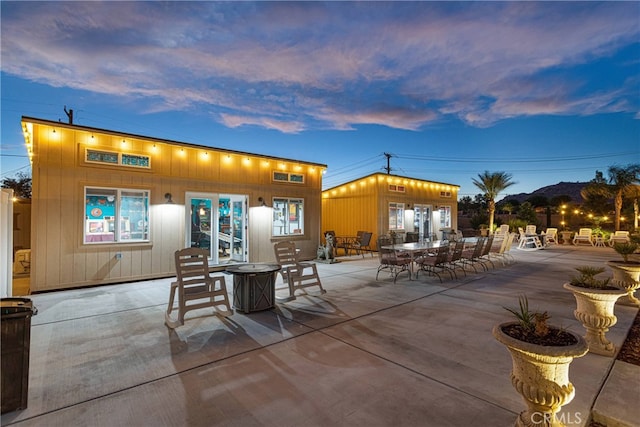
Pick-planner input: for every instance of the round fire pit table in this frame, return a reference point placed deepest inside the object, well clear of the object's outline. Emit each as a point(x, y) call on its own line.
point(254, 286)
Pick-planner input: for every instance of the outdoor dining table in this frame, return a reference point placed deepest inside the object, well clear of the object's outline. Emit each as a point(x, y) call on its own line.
point(345, 243)
point(414, 248)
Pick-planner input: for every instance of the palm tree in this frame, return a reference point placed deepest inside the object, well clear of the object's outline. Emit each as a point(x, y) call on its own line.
point(633, 192)
point(491, 184)
point(597, 194)
point(620, 179)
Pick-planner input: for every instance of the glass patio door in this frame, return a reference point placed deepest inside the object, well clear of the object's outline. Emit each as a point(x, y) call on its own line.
point(422, 221)
point(238, 229)
point(218, 223)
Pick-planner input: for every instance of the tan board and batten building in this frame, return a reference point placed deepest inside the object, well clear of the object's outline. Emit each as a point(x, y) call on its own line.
point(112, 207)
point(380, 203)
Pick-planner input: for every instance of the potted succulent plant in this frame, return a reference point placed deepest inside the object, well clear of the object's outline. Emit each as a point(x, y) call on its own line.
point(541, 356)
point(626, 273)
point(595, 299)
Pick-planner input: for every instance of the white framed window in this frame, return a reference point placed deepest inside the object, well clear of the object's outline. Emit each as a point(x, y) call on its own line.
point(445, 216)
point(118, 159)
point(115, 215)
point(397, 188)
point(396, 216)
point(296, 178)
point(288, 216)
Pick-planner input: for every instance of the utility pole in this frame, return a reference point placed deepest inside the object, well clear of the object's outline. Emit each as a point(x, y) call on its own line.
point(388, 168)
point(69, 114)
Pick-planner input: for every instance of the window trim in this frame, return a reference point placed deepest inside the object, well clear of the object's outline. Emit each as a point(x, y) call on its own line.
point(117, 218)
point(119, 162)
point(399, 215)
point(288, 177)
point(287, 222)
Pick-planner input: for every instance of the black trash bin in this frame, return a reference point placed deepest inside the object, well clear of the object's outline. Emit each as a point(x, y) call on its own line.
point(15, 322)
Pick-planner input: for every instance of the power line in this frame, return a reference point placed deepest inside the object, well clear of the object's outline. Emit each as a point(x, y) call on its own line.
point(14, 171)
point(514, 159)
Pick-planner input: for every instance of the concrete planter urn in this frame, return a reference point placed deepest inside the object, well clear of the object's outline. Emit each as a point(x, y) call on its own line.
point(595, 310)
point(541, 375)
point(626, 275)
point(566, 237)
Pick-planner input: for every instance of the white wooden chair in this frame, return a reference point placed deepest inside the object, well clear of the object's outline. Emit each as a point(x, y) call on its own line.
point(619, 237)
point(195, 287)
point(551, 236)
point(293, 271)
point(529, 242)
point(502, 231)
point(531, 229)
point(583, 235)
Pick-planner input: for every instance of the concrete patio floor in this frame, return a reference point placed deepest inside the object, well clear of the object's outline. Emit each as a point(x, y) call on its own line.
point(366, 353)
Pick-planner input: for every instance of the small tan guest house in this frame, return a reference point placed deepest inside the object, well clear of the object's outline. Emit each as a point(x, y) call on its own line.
point(384, 203)
point(110, 207)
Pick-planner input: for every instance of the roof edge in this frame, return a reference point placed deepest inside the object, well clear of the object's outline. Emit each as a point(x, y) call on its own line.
point(36, 120)
point(391, 175)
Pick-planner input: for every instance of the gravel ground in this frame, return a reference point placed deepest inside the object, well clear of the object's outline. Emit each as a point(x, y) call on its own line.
point(630, 350)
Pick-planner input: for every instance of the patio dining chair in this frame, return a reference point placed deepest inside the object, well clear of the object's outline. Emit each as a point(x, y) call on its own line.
point(435, 263)
point(454, 259)
point(471, 256)
point(391, 261)
point(195, 287)
point(484, 257)
point(362, 244)
point(297, 275)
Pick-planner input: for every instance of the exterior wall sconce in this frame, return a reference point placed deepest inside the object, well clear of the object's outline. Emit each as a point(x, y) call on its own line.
point(262, 203)
point(169, 201)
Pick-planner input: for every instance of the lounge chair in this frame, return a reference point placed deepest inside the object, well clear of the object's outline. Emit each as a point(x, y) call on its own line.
point(529, 242)
point(619, 237)
point(583, 235)
point(551, 236)
point(502, 231)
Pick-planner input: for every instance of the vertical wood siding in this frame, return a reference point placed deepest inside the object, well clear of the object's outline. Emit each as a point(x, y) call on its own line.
point(60, 259)
point(363, 204)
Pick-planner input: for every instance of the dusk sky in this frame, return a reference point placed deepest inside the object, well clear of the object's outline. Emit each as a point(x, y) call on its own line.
point(548, 92)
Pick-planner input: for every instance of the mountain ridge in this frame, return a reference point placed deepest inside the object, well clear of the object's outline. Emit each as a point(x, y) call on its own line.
point(571, 189)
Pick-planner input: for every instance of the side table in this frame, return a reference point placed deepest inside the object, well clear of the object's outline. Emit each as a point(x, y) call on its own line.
point(254, 286)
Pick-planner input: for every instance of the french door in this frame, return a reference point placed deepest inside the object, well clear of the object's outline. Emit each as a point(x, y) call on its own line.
point(217, 223)
point(422, 221)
